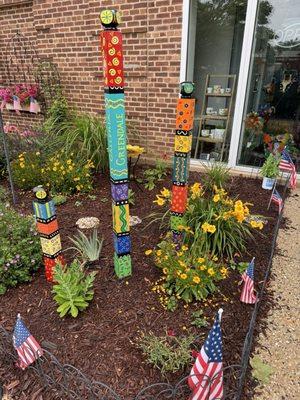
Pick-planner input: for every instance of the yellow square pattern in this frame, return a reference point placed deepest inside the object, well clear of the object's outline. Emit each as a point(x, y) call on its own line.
point(51, 246)
point(183, 143)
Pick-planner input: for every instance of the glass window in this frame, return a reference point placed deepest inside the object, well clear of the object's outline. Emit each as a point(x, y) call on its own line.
point(272, 107)
point(216, 33)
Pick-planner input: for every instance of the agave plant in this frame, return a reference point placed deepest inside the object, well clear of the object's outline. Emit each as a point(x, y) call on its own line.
point(87, 248)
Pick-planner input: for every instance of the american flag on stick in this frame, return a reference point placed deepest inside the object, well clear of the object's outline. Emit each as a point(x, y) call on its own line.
point(277, 199)
point(206, 377)
point(286, 164)
point(248, 296)
point(27, 347)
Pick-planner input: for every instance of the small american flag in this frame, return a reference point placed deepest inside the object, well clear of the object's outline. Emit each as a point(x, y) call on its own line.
point(286, 164)
point(27, 347)
point(277, 199)
point(248, 296)
point(206, 377)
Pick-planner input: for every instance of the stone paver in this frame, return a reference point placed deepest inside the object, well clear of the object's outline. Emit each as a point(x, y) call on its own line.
point(281, 347)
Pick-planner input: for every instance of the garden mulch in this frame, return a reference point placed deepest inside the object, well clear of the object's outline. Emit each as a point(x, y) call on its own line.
point(102, 340)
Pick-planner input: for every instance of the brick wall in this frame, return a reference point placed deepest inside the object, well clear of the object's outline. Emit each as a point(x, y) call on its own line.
point(67, 33)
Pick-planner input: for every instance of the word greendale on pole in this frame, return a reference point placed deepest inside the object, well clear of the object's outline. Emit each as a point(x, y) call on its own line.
point(183, 141)
point(47, 227)
point(111, 42)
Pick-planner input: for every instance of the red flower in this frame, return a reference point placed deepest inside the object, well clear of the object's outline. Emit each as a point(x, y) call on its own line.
point(171, 332)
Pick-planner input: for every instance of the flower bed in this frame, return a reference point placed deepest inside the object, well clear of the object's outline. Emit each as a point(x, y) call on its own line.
point(102, 341)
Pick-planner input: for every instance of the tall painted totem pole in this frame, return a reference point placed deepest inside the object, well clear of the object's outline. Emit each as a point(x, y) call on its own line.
point(111, 43)
point(183, 141)
point(47, 227)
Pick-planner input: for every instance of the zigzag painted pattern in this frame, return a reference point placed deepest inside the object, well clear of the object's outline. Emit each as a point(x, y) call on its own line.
point(114, 104)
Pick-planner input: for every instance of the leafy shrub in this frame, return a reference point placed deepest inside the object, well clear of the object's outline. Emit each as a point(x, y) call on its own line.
point(57, 114)
point(167, 353)
point(73, 289)
point(217, 224)
point(216, 174)
point(270, 168)
point(59, 199)
point(58, 173)
point(131, 197)
point(88, 248)
point(84, 135)
point(152, 175)
point(20, 252)
point(198, 319)
point(184, 275)
point(213, 223)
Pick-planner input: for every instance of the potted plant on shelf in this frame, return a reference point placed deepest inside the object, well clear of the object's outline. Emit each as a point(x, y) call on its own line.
point(270, 171)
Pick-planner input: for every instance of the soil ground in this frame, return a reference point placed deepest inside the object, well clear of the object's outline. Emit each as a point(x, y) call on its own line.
point(101, 341)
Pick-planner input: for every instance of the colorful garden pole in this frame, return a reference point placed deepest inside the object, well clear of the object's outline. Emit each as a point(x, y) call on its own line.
point(47, 227)
point(183, 140)
point(111, 43)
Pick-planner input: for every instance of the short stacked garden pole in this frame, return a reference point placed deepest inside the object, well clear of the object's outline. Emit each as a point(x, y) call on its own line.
point(183, 140)
point(47, 228)
point(111, 42)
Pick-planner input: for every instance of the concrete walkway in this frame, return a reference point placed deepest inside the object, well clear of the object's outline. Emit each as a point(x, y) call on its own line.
point(281, 348)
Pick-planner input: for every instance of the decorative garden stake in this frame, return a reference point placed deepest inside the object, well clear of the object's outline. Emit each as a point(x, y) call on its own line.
point(111, 43)
point(183, 140)
point(47, 227)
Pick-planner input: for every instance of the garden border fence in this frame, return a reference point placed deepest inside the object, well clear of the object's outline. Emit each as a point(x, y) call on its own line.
point(67, 381)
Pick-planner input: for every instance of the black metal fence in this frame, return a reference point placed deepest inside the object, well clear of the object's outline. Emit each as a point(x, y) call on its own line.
point(68, 382)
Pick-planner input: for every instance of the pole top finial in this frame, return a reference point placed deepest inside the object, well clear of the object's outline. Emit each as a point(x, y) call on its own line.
point(110, 19)
point(186, 88)
point(40, 193)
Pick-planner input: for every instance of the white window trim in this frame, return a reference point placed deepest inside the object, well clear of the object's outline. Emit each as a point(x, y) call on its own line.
point(184, 38)
point(242, 82)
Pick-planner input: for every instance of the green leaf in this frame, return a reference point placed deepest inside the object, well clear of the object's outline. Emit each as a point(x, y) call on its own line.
point(260, 370)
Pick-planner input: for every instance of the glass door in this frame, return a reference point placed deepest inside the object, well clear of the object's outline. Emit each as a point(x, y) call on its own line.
point(272, 106)
point(215, 41)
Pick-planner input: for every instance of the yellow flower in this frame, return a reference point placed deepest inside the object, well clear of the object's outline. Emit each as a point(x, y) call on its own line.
point(196, 190)
point(184, 248)
point(70, 168)
point(196, 279)
point(165, 271)
point(181, 263)
point(158, 253)
point(69, 162)
point(37, 153)
point(215, 258)
point(22, 165)
point(224, 271)
point(180, 253)
point(165, 193)
point(208, 228)
point(23, 180)
point(54, 169)
point(202, 267)
point(210, 271)
point(78, 187)
point(148, 252)
point(160, 201)
point(76, 179)
point(216, 198)
point(201, 260)
point(183, 276)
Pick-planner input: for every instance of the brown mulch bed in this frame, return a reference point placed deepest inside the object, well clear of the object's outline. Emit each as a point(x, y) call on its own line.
point(101, 341)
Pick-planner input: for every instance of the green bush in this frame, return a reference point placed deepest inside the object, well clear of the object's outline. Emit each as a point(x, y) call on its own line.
point(20, 250)
point(167, 353)
point(216, 174)
point(58, 173)
point(73, 289)
point(270, 168)
point(153, 175)
point(88, 248)
point(84, 135)
point(185, 276)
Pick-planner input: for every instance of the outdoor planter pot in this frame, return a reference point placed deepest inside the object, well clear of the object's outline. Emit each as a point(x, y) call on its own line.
point(34, 107)
point(268, 183)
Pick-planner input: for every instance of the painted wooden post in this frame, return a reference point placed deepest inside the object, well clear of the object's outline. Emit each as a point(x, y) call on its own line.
point(111, 43)
point(181, 163)
point(47, 227)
